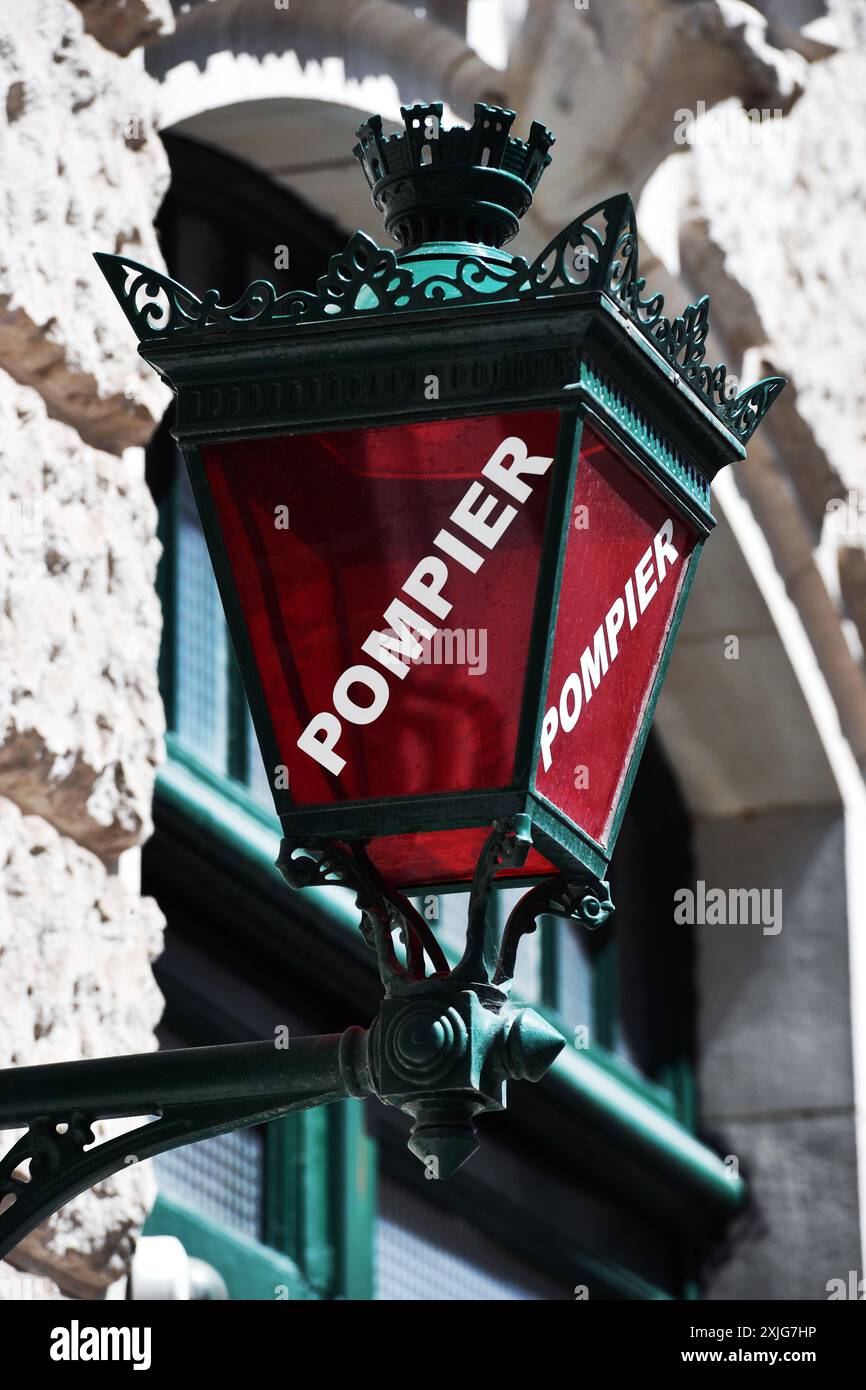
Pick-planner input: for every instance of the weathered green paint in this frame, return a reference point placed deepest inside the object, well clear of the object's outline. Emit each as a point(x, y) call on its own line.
point(352, 1199)
point(670, 1171)
point(673, 474)
point(298, 1214)
point(194, 1092)
point(166, 587)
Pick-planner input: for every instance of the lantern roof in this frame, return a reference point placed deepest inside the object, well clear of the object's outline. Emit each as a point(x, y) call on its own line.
point(451, 212)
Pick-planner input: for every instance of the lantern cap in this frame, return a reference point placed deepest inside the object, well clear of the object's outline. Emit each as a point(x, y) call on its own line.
point(469, 184)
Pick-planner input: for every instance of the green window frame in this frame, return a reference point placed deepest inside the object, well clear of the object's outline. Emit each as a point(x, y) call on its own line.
point(319, 1204)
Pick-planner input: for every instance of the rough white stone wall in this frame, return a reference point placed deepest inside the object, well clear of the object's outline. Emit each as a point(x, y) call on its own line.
point(608, 78)
point(778, 215)
point(82, 171)
point(80, 715)
point(81, 721)
point(76, 947)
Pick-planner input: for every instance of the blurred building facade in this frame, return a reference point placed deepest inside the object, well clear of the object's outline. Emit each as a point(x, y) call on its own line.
point(216, 138)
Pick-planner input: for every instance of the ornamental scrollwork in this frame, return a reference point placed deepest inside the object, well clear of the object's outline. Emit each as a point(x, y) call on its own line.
point(613, 261)
point(596, 254)
point(43, 1149)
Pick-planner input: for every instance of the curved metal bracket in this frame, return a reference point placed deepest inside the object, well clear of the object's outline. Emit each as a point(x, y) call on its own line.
point(182, 1096)
point(486, 961)
point(383, 908)
point(578, 898)
point(505, 847)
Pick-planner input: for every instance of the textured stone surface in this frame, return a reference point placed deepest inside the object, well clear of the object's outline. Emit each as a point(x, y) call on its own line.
point(76, 948)
point(125, 24)
point(82, 172)
point(787, 240)
point(90, 1242)
point(609, 80)
point(81, 720)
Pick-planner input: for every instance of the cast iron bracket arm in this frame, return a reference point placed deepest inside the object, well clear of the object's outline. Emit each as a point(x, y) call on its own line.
point(328, 865)
point(576, 897)
point(183, 1096)
point(441, 1048)
point(505, 847)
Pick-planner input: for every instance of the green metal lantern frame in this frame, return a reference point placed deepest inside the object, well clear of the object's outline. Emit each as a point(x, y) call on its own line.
point(587, 343)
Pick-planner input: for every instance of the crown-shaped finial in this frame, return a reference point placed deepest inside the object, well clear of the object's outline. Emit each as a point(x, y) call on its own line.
point(465, 184)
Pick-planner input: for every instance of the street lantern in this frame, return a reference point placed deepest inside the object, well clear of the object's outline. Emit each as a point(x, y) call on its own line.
point(454, 503)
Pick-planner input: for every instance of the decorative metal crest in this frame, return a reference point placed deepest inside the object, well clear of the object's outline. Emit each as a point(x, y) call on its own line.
point(596, 253)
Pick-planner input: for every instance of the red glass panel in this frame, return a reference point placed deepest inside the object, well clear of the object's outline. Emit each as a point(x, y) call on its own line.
point(436, 526)
point(442, 856)
point(625, 562)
